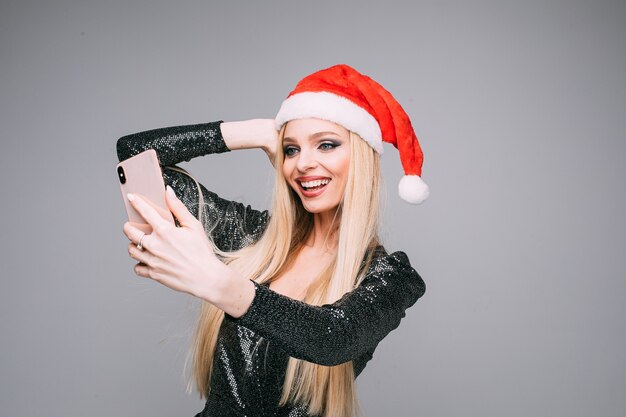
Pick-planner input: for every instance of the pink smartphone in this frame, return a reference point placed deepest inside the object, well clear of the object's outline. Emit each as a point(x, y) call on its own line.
point(141, 174)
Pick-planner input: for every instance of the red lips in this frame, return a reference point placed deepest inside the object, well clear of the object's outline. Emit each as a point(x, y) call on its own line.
point(309, 193)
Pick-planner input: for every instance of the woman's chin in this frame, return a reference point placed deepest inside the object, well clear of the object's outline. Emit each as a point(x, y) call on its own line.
point(317, 208)
point(326, 201)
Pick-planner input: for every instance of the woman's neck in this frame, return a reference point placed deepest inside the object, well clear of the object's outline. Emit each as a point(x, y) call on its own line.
point(324, 235)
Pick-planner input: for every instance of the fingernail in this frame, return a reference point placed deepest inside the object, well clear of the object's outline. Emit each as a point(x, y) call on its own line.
point(130, 197)
point(170, 191)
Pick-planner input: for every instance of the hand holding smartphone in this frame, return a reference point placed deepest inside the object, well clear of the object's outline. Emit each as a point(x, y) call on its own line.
point(141, 174)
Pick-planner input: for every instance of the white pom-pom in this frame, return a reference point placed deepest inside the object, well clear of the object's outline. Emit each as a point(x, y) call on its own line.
point(412, 189)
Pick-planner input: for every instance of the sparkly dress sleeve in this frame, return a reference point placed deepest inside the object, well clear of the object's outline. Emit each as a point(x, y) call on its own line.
point(335, 333)
point(231, 225)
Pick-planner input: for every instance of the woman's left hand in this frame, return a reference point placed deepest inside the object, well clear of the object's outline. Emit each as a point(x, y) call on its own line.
point(180, 258)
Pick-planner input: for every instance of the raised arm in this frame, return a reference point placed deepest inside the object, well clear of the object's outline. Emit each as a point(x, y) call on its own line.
point(231, 225)
point(335, 333)
point(182, 143)
point(174, 144)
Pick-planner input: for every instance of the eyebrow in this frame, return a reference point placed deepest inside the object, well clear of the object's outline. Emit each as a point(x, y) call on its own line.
point(313, 136)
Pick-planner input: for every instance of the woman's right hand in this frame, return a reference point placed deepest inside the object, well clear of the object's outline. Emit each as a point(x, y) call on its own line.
point(182, 258)
point(254, 133)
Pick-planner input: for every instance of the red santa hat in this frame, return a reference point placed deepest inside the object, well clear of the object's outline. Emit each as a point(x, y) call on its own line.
point(342, 95)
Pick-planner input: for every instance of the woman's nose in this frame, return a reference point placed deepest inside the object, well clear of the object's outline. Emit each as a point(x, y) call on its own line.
point(306, 161)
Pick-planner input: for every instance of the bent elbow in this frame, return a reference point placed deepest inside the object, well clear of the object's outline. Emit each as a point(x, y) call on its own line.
point(123, 149)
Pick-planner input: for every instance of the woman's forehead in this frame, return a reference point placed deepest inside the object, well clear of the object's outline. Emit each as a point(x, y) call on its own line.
point(305, 128)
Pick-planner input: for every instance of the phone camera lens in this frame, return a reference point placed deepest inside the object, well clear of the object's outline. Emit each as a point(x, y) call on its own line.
point(120, 175)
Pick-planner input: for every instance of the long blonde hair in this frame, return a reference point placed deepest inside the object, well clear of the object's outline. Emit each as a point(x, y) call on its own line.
point(328, 390)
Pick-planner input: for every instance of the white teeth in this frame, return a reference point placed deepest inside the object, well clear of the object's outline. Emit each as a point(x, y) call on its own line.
point(316, 183)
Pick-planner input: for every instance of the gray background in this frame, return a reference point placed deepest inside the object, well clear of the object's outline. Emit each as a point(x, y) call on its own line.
point(520, 110)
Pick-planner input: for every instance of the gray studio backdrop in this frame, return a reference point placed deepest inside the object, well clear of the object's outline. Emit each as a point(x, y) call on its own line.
point(520, 110)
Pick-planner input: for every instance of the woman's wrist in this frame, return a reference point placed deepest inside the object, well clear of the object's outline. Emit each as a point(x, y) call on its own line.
point(231, 292)
point(248, 134)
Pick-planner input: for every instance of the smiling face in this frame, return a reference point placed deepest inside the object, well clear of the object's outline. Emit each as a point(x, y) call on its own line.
point(316, 162)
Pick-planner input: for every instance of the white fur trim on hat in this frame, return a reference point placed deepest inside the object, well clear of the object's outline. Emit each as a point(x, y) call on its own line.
point(412, 189)
point(334, 108)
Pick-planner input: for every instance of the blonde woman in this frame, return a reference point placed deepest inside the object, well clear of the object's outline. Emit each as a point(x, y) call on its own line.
point(295, 300)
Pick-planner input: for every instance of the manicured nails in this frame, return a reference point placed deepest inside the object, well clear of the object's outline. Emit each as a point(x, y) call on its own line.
point(170, 192)
point(130, 196)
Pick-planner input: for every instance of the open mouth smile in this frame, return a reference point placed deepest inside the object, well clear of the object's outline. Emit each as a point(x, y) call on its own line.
point(312, 187)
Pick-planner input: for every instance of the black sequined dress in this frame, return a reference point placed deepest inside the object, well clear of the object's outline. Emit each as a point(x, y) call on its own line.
point(253, 350)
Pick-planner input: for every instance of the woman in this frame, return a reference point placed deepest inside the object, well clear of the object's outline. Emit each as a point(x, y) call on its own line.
point(296, 302)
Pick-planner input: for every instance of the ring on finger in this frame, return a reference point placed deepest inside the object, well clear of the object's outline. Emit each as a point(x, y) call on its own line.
point(140, 244)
